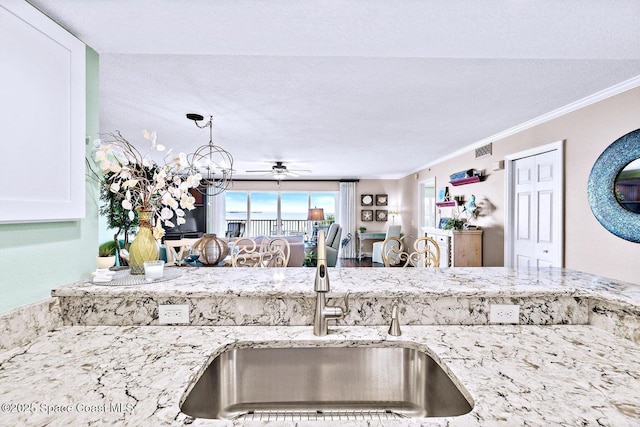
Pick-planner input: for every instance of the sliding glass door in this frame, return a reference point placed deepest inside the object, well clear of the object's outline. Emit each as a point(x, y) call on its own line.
point(277, 213)
point(293, 213)
point(263, 213)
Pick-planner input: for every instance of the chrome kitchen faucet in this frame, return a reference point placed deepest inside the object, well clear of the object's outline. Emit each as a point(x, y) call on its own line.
point(324, 313)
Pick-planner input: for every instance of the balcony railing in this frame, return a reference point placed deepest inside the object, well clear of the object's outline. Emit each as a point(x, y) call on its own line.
point(268, 227)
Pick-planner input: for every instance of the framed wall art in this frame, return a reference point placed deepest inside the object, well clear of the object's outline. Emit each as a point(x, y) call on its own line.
point(366, 200)
point(382, 199)
point(443, 194)
point(366, 215)
point(382, 215)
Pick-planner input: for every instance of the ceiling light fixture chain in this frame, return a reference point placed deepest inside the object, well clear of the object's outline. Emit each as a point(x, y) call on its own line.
point(214, 163)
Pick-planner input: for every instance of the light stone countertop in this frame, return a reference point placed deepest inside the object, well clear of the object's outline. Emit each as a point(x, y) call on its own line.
point(515, 375)
point(566, 364)
point(447, 296)
point(373, 282)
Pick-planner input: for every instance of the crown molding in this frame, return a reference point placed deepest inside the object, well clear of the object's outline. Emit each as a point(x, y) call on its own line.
point(554, 114)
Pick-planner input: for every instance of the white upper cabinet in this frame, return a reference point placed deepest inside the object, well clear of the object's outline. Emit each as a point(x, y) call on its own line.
point(42, 118)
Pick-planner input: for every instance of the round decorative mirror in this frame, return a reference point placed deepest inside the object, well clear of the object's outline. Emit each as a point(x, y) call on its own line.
point(613, 187)
point(628, 187)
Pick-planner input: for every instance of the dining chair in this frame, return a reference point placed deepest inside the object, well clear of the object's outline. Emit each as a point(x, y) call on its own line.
point(260, 252)
point(177, 250)
point(278, 250)
point(426, 253)
point(376, 250)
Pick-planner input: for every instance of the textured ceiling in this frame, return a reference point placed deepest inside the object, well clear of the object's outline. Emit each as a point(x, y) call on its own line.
point(347, 89)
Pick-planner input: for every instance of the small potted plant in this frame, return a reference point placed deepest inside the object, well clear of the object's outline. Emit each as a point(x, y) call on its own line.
point(362, 229)
point(310, 259)
point(455, 224)
point(106, 255)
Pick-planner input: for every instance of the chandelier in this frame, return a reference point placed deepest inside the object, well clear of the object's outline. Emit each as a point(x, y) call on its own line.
point(214, 163)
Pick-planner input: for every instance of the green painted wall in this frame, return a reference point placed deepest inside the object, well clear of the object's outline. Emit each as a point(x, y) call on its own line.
point(36, 257)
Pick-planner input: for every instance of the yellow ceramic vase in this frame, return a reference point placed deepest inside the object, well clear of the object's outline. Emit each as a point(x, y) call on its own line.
point(144, 247)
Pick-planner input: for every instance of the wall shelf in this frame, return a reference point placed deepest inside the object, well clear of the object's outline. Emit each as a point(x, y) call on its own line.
point(465, 181)
point(446, 204)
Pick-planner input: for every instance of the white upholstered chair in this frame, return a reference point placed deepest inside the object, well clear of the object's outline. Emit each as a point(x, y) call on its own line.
point(376, 253)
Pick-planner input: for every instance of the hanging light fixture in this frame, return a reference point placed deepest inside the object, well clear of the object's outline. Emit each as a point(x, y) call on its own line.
point(214, 163)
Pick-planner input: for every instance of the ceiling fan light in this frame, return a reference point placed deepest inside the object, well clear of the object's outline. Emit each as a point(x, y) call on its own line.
point(279, 171)
point(195, 117)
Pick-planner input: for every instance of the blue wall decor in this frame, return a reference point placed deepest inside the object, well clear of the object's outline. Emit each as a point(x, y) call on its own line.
point(601, 188)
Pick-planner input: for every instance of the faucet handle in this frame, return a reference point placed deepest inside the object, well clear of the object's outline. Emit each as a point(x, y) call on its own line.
point(344, 310)
point(394, 327)
point(340, 312)
point(346, 303)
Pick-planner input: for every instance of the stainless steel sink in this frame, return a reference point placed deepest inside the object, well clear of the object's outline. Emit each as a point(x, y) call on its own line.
point(324, 383)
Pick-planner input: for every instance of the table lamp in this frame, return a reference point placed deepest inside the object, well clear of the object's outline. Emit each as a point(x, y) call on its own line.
point(315, 214)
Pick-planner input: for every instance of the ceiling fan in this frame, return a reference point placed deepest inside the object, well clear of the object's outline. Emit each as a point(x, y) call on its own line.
point(280, 171)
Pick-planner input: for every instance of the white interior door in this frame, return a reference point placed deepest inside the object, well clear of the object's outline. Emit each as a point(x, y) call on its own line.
point(534, 233)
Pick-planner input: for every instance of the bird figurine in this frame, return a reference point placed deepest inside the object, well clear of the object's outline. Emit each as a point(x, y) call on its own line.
point(470, 208)
point(346, 240)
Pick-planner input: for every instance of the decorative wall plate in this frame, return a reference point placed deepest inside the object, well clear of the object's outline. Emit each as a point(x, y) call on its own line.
point(382, 215)
point(381, 199)
point(366, 200)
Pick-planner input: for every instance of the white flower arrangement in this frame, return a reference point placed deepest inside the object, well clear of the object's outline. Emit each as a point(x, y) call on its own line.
point(143, 184)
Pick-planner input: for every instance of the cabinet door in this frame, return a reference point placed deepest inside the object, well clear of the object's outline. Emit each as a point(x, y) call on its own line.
point(42, 117)
point(467, 249)
point(444, 242)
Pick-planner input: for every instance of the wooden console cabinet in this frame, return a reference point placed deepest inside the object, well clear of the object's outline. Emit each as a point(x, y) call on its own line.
point(457, 248)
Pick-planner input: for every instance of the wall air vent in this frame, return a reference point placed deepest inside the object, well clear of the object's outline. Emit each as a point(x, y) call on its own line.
point(485, 150)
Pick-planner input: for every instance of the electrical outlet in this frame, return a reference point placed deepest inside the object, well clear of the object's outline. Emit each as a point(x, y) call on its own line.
point(173, 314)
point(503, 313)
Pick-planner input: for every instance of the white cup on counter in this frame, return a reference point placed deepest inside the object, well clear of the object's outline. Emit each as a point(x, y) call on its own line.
point(153, 270)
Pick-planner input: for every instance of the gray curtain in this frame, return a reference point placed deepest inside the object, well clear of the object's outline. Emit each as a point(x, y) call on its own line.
point(348, 217)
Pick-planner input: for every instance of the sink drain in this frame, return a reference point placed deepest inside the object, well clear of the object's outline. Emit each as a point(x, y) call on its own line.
point(320, 415)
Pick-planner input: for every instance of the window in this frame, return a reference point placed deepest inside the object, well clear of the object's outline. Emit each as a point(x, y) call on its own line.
point(293, 212)
point(427, 198)
point(326, 201)
point(263, 214)
point(277, 213)
point(236, 206)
